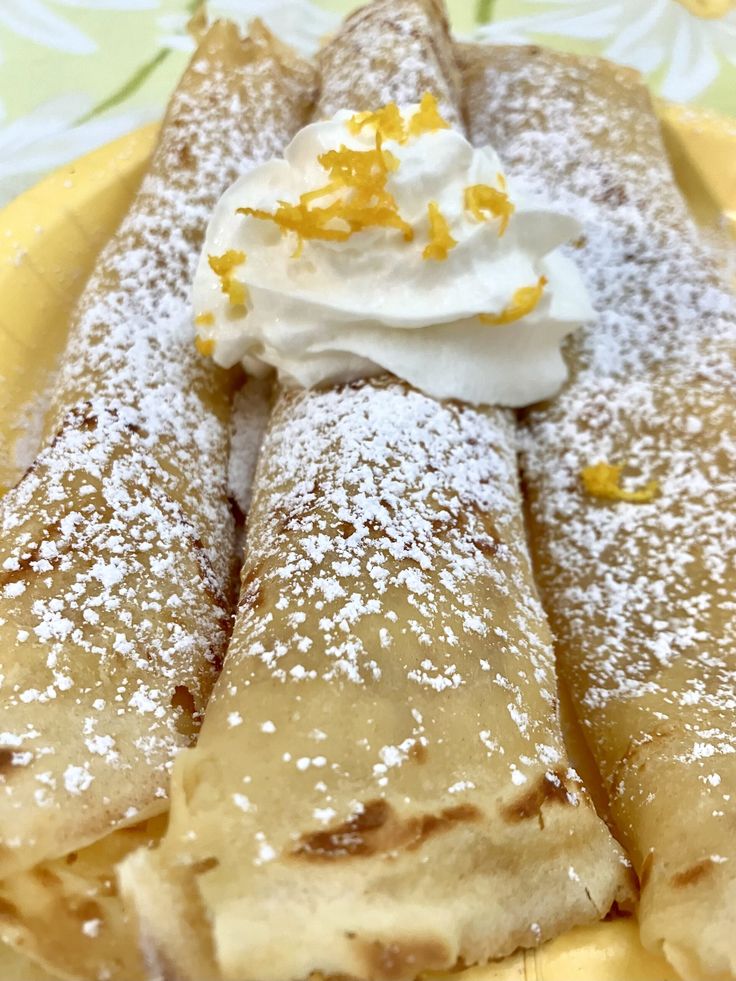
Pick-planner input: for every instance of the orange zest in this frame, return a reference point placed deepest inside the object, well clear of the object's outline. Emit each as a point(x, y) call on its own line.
point(603, 480)
point(361, 200)
point(390, 124)
point(205, 346)
point(357, 168)
point(523, 302)
point(484, 201)
point(388, 121)
point(440, 240)
point(222, 266)
point(427, 118)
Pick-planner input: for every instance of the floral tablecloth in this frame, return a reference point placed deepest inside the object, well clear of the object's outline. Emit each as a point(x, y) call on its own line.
point(77, 73)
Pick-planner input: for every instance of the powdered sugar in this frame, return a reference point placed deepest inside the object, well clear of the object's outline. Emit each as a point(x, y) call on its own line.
point(641, 595)
point(356, 68)
point(386, 536)
point(121, 531)
point(77, 779)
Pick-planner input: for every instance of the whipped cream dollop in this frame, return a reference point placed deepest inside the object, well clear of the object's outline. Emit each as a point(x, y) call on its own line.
point(386, 242)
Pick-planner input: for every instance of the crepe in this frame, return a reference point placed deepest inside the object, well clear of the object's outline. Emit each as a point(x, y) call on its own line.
point(66, 914)
point(16, 967)
point(118, 561)
point(380, 786)
point(638, 565)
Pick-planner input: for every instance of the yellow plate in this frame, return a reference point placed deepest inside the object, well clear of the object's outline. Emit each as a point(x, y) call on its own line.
point(49, 239)
point(702, 150)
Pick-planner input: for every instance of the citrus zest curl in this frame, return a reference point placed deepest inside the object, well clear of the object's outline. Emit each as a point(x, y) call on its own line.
point(524, 300)
point(603, 480)
point(440, 239)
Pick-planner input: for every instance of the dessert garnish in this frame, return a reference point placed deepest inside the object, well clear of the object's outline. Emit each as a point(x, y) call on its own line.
point(523, 302)
point(222, 266)
point(365, 203)
point(384, 241)
point(483, 201)
point(603, 480)
point(391, 123)
point(440, 239)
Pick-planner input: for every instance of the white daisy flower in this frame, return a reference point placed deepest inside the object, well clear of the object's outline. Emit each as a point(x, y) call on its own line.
point(299, 23)
point(686, 38)
point(49, 137)
point(37, 22)
point(173, 32)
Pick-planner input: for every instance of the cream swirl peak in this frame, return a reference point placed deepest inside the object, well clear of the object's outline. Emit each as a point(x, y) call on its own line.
point(384, 241)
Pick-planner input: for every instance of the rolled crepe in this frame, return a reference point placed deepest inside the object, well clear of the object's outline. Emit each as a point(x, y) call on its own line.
point(117, 553)
point(639, 588)
point(380, 786)
point(66, 914)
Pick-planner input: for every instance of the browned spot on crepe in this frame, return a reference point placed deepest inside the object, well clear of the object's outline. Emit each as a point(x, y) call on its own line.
point(404, 958)
point(418, 753)
point(377, 829)
point(487, 546)
point(353, 837)
point(107, 886)
point(429, 824)
point(692, 874)
point(6, 760)
point(184, 156)
point(7, 910)
point(346, 529)
point(205, 865)
point(530, 804)
point(187, 722)
point(89, 910)
point(47, 878)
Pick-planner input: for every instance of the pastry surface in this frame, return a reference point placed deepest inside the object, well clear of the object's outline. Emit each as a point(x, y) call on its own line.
point(118, 547)
point(381, 773)
point(640, 593)
point(381, 766)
